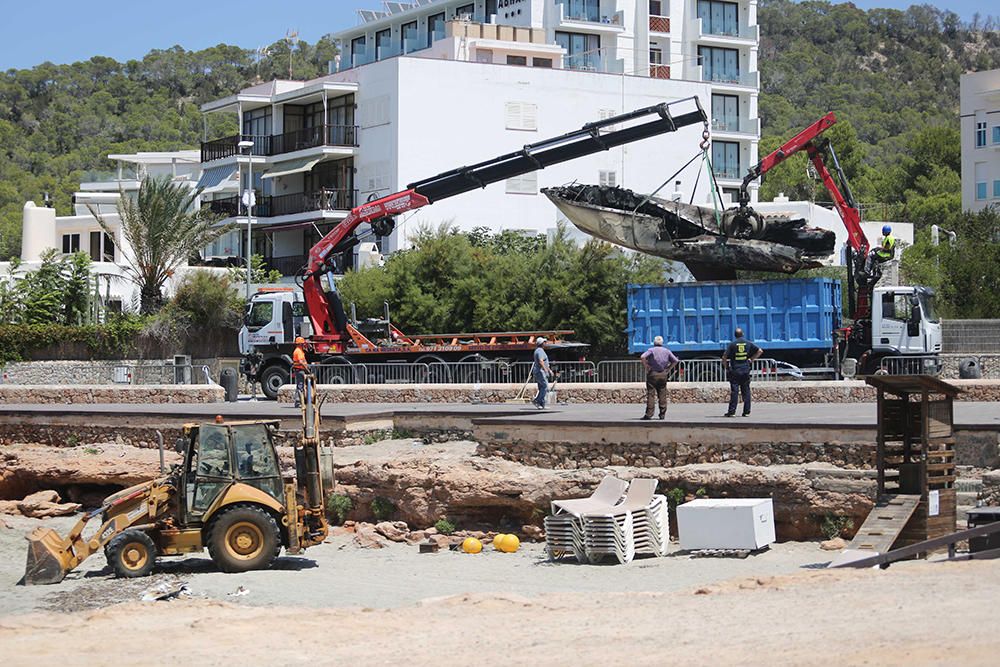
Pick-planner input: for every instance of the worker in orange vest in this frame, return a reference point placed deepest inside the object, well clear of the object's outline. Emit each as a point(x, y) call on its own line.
point(299, 368)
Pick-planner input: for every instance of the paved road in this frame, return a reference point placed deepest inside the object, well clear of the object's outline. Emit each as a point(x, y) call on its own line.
point(861, 414)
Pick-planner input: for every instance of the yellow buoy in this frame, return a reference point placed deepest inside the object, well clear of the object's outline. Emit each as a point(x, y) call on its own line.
point(497, 540)
point(509, 544)
point(471, 545)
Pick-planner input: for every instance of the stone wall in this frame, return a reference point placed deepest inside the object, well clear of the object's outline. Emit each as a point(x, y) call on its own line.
point(843, 391)
point(989, 364)
point(60, 394)
point(101, 372)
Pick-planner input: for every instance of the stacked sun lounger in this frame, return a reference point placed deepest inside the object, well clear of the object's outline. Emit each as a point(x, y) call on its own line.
point(609, 525)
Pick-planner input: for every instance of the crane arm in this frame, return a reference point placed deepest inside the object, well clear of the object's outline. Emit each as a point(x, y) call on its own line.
point(325, 311)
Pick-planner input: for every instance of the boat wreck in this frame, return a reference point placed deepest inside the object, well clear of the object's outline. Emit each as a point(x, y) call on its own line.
point(711, 249)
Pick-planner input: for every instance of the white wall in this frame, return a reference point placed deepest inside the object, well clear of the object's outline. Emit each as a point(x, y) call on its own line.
point(464, 123)
point(979, 102)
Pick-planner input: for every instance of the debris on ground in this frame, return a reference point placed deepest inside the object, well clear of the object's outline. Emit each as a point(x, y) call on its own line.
point(835, 544)
point(534, 533)
point(99, 592)
point(239, 592)
point(39, 505)
point(394, 531)
point(166, 590)
point(366, 537)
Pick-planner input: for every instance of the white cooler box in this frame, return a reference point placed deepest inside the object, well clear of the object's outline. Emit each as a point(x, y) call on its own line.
point(726, 523)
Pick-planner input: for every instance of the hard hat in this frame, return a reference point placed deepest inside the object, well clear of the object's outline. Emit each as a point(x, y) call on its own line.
point(887, 229)
point(299, 340)
point(541, 340)
point(471, 545)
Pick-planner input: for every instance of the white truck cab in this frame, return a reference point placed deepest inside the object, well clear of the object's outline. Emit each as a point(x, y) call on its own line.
point(275, 316)
point(904, 321)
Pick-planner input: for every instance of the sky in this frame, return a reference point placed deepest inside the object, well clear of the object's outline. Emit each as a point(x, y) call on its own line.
point(64, 31)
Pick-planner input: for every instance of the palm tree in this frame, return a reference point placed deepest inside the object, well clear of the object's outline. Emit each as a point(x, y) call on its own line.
point(164, 229)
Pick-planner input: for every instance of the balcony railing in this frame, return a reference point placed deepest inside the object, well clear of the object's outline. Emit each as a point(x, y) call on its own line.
point(736, 124)
point(269, 206)
point(734, 31)
point(287, 266)
point(751, 79)
point(324, 135)
point(727, 171)
point(659, 71)
point(659, 23)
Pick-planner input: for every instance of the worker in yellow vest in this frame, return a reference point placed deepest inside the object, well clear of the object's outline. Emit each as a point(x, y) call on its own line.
point(737, 358)
point(883, 252)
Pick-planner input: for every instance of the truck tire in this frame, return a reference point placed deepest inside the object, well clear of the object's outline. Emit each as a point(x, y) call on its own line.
point(272, 378)
point(131, 554)
point(242, 538)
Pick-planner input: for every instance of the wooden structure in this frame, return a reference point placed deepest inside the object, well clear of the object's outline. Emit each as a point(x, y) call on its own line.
point(916, 453)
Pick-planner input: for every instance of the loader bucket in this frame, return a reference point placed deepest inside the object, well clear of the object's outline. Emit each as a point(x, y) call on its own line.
point(46, 558)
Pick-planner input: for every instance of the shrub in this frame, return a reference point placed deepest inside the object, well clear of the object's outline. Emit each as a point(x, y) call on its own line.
point(444, 527)
point(339, 506)
point(382, 508)
point(835, 526)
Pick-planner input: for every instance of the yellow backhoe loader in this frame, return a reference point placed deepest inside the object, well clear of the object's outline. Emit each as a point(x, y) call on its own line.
point(227, 495)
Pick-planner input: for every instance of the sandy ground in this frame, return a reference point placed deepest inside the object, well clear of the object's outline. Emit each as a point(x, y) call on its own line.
point(344, 605)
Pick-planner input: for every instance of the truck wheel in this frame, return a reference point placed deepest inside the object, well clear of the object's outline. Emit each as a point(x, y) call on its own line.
point(272, 379)
point(243, 538)
point(131, 554)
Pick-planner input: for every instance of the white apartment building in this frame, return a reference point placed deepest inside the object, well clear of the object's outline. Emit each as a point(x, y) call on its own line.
point(42, 229)
point(980, 120)
point(429, 86)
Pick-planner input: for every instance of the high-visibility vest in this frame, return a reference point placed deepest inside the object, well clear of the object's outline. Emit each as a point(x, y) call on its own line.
point(888, 247)
point(299, 359)
point(741, 352)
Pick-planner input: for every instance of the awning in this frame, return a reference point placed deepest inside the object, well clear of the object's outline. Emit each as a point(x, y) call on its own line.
point(293, 167)
point(213, 177)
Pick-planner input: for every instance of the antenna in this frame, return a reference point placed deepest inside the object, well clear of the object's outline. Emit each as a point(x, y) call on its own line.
point(290, 37)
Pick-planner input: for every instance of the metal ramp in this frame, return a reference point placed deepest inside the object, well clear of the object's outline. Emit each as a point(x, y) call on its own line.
point(879, 531)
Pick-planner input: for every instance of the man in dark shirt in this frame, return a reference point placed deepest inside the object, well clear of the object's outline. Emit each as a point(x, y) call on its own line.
point(737, 358)
point(659, 361)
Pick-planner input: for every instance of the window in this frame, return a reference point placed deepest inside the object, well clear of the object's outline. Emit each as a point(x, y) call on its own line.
point(255, 460)
point(980, 195)
point(655, 55)
point(582, 10)
point(996, 189)
point(383, 44)
point(656, 8)
point(435, 28)
point(211, 467)
point(521, 116)
point(582, 51)
point(726, 113)
point(525, 184)
point(897, 306)
point(359, 51)
point(257, 122)
point(330, 175)
point(517, 60)
point(70, 243)
point(102, 247)
point(466, 12)
point(542, 62)
point(719, 64)
point(719, 18)
point(260, 315)
point(408, 37)
point(996, 134)
point(726, 159)
point(607, 179)
point(980, 134)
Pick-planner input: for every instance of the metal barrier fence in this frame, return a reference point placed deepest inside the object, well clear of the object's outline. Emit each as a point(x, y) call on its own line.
point(925, 364)
point(463, 372)
point(694, 370)
point(162, 374)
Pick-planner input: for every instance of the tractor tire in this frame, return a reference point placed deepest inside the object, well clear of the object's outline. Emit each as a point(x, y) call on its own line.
point(272, 379)
point(131, 554)
point(243, 538)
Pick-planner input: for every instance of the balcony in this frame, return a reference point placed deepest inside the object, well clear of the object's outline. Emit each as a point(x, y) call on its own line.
point(728, 172)
point(659, 71)
point(744, 32)
point(270, 206)
point(289, 265)
point(736, 125)
point(728, 78)
point(276, 144)
point(659, 23)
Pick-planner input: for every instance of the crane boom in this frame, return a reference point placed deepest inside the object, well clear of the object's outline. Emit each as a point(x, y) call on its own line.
point(843, 201)
point(325, 310)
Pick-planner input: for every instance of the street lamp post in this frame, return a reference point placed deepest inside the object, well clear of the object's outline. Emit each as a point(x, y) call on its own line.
point(248, 199)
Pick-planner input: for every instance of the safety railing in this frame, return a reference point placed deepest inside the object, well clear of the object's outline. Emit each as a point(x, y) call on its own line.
point(162, 374)
point(921, 364)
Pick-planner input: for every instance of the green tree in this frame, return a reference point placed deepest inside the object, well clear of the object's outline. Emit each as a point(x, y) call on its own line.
point(163, 229)
point(260, 272)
